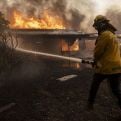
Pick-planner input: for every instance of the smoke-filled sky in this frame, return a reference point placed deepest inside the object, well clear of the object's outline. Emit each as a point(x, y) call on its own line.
point(101, 6)
point(79, 14)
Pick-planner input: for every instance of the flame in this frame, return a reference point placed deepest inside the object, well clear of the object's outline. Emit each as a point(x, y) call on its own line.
point(47, 22)
point(74, 47)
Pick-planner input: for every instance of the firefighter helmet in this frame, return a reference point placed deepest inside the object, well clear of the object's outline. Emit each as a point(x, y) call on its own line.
point(100, 18)
point(100, 22)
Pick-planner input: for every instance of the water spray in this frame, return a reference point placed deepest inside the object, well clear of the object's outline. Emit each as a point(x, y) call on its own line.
point(78, 60)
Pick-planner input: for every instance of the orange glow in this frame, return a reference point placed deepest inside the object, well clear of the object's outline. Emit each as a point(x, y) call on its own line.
point(66, 47)
point(46, 22)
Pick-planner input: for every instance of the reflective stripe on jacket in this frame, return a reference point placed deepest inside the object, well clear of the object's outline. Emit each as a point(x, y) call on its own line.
point(107, 54)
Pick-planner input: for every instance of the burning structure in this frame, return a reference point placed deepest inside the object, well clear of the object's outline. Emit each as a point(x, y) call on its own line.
point(51, 26)
point(38, 17)
point(48, 33)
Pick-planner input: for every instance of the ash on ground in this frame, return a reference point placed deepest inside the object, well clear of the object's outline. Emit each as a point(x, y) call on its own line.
point(39, 96)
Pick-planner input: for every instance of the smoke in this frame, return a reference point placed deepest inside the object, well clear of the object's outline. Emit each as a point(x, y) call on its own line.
point(29, 68)
point(115, 17)
point(111, 9)
point(76, 14)
point(102, 6)
point(71, 15)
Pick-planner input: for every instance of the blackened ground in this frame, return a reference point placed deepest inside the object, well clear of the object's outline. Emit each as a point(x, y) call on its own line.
point(41, 97)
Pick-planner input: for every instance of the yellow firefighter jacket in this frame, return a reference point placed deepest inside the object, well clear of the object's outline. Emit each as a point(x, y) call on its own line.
point(107, 54)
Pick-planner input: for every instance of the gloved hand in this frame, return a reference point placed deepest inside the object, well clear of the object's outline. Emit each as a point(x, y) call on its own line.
point(87, 62)
point(94, 64)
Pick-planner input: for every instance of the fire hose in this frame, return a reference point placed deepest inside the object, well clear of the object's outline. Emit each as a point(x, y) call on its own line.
point(79, 60)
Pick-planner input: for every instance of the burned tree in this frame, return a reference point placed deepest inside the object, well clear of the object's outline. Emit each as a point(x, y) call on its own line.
point(7, 45)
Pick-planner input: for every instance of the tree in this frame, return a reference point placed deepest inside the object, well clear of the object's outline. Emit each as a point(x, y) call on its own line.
point(7, 44)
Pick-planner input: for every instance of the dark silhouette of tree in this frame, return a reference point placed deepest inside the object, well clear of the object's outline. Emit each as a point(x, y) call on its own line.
point(7, 44)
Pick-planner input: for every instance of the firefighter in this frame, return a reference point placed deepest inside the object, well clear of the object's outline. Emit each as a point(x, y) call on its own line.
point(107, 62)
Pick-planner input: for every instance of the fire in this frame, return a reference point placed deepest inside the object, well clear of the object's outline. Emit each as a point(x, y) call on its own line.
point(74, 47)
point(46, 22)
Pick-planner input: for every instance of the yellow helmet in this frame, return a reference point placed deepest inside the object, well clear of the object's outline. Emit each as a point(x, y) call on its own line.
point(100, 18)
point(101, 23)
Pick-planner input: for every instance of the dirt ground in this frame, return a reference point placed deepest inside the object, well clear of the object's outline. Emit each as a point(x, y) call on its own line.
point(39, 96)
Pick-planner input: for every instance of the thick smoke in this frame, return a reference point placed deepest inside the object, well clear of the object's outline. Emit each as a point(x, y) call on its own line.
point(111, 9)
point(76, 14)
point(71, 13)
point(115, 17)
